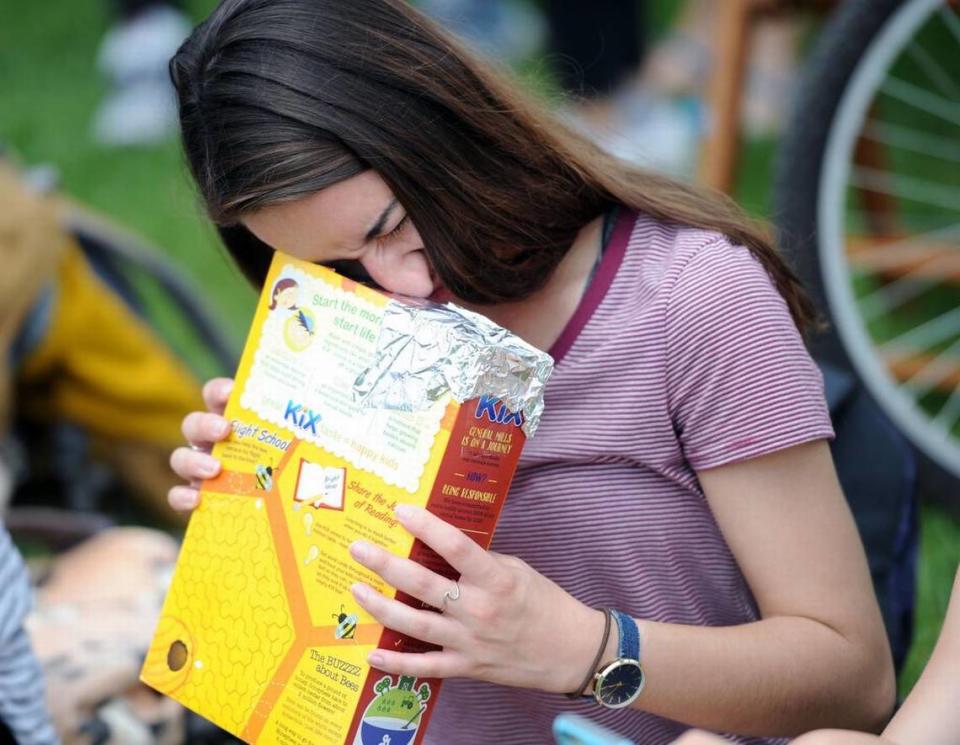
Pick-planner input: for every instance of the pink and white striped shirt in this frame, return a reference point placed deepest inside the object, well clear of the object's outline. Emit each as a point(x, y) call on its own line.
point(682, 356)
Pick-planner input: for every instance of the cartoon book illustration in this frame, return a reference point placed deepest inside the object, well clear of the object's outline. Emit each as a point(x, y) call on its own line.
point(320, 486)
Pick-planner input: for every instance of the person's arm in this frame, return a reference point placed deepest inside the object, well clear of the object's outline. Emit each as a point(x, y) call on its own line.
point(819, 656)
point(931, 714)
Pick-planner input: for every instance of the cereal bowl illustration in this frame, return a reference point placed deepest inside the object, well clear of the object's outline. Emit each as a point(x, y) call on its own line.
point(393, 717)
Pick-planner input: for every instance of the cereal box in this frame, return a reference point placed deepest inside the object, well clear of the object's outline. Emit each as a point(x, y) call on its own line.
point(346, 403)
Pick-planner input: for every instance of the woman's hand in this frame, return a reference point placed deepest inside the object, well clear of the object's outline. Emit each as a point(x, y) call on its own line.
point(201, 429)
point(510, 625)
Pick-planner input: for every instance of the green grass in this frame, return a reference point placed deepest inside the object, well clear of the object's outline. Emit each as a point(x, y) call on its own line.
point(48, 92)
point(939, 557)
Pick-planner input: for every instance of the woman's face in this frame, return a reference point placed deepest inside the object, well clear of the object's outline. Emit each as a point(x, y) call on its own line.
point(359, 220)
point(287, 298)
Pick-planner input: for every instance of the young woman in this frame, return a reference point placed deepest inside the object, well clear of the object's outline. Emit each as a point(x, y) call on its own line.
point(680, 475)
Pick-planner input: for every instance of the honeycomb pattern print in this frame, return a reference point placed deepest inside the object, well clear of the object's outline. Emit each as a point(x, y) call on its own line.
point(228, 563)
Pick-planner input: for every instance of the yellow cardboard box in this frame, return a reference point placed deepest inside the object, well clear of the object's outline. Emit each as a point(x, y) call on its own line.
point(259, 632)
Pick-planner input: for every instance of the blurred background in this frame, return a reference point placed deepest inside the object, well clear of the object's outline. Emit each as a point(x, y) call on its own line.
point(838, 122)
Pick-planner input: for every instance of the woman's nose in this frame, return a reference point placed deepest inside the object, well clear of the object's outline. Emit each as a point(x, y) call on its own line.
point(402, 272)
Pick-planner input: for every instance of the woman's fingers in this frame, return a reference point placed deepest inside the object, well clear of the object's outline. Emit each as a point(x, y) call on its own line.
point(183, 498)
point(424, 625)
point(193, 465)
point(201, 428)
point(216, 392)
point(403, 574)
point(418, 664)
point(450, 542)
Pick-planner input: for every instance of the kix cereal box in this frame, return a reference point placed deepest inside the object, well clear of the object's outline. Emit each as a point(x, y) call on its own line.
point(346, 403)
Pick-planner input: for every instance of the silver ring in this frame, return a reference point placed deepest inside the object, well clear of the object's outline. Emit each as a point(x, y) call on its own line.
point(195, 448)
point(452, 594)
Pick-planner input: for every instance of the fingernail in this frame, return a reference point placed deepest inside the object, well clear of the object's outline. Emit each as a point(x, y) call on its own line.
point(404, 511)
point(222, 428)
point(209, 467)
point(359, 591)
point(360, 550)
point(375, 659)
point(227, 389)
point(185, 503)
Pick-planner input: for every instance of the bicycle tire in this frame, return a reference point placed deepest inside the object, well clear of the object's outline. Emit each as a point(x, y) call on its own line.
point(846, 38)
point(846, 35)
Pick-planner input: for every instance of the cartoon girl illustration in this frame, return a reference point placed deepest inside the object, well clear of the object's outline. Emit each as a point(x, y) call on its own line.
point(285, 294)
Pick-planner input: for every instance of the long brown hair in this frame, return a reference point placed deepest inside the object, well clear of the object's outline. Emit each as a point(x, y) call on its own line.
point(281, 98)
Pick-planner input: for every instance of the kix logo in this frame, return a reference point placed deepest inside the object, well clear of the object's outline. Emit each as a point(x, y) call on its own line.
point(496, 412)
point(301, 416)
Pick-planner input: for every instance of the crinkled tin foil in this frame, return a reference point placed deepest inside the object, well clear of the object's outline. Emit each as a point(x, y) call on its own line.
point(425, 350)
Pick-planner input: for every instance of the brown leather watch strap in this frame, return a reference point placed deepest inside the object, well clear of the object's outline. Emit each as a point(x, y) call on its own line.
point(596, 660)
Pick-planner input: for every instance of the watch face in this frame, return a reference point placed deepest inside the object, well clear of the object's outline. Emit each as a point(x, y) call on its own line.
point(620, 684)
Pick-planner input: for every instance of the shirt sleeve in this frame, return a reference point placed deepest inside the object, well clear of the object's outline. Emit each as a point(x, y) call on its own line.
point(740, 382)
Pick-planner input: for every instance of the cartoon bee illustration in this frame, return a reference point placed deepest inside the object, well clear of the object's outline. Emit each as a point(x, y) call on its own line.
point(265, 477)
point(346, 624)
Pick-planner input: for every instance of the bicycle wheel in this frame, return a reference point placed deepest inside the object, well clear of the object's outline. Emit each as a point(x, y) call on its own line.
point(867, 196)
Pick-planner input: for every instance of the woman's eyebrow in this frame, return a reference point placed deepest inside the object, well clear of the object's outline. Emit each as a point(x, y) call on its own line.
point(377, 227)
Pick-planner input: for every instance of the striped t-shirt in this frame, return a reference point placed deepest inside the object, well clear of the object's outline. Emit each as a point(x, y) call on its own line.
point(681, 356)
point(23, 712)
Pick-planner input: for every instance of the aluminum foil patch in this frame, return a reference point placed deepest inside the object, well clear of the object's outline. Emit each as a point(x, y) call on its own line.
point(426, 350)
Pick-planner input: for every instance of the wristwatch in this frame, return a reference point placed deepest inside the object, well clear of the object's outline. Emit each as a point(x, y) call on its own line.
point(618, 684)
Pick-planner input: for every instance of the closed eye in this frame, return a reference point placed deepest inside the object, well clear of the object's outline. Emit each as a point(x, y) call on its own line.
point(354, 270)
point(398, 229)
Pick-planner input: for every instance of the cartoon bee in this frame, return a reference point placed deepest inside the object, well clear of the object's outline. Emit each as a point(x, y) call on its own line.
point(346, 624)
point(264, 477)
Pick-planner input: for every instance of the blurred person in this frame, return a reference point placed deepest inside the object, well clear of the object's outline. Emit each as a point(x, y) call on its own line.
point(597, 52)
point(24, 718)
point(139, 107)
point(644, 101)
point(928, 716)
point(594, 51)
point(599, 43)
point(681, 63)
point(511, 30)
